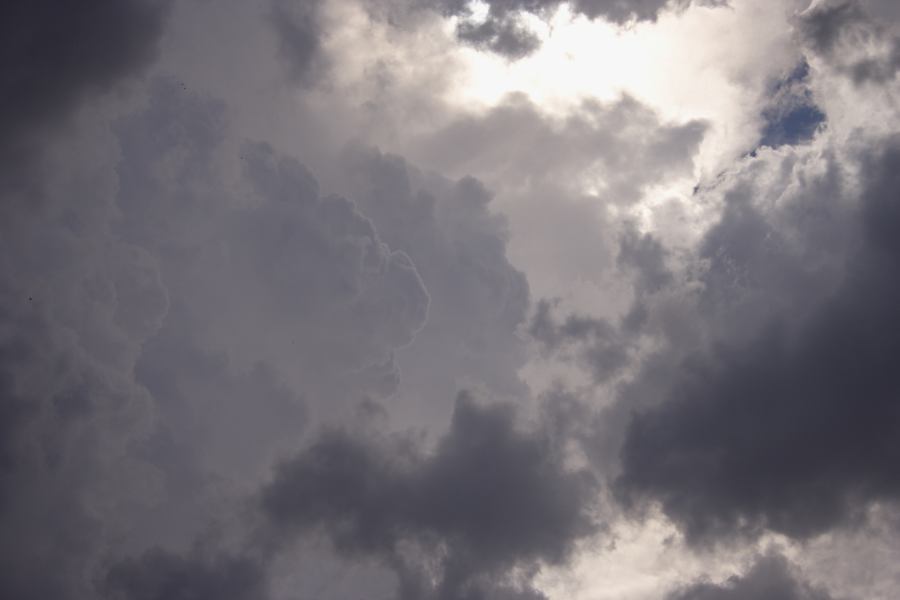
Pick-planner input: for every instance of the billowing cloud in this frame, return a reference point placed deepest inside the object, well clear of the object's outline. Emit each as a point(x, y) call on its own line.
point(490, 497)
point(845, 34)
point(503, 31)
point(769, 578)
point(791, 427)
point(243, 286)
point(270, 254)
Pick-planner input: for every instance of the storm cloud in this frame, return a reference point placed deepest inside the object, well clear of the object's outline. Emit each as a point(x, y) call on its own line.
point(488, 498)
point(795, 428)
point(327, 299)
point(54, 55)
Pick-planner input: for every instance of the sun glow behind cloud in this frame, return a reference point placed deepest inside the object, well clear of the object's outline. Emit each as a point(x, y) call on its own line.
point(726, 50)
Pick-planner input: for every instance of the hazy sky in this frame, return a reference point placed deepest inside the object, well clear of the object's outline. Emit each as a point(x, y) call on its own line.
point(450, 300)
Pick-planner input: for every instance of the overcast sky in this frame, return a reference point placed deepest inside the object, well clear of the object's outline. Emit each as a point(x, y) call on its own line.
point(450, 300)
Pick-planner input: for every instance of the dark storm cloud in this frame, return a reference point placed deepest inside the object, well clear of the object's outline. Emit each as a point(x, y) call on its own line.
point(159, 575)
point(792, 425)
point(770, 578)
point(490, 497)
point(53, 53)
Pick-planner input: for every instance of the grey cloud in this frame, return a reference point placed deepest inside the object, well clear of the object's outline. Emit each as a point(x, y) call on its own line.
point(825, 24)
point(459, 247)
point(313, 272)
point(490, 497)
point(127, 376)
point(66, 421)
point(646, 257)
point(218, 429)
point(792, 424)
point(506, 36)
point(840, 32)
point(770, 578)
point(159, 575)
point(600, 345)
point(515, 141)
point(502, 32)
point(53, 54)
point(540, 166)
point(607, 348)
point(286, 306)
point(299, 35)
point(76, 304)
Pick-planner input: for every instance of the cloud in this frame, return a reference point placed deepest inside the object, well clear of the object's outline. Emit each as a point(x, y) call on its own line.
point(489, 498)
point(600, 346)
point(791, 424)
point(620, 147)
point(54, 54)
point(791, 116)
point(845, 35)
point(770, 578)
point(265, 252)
point(299, 36)
point(459, 246)
point(127, 375)
point(502, 31)
point(504, 35)
point(158, 575)
point(68, 414)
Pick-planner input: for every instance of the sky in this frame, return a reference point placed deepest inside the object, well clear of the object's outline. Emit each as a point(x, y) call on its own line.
point(450, 300)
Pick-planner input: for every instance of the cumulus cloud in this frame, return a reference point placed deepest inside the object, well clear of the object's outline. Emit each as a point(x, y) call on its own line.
point(790, 427)
point(269, 255)
point(502, 30)
point(460, 248)
point(490, 497)
point(845, 34)
point(237, 303)
point(77, 305)
point(770, 577)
